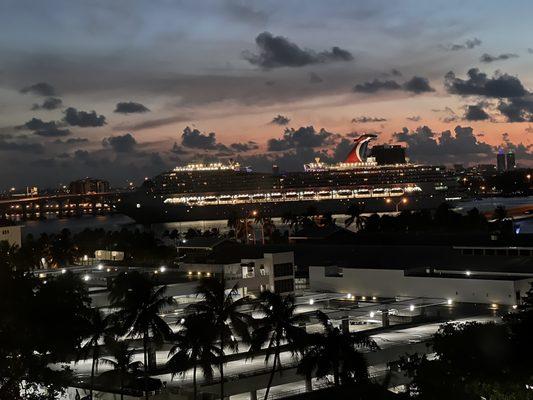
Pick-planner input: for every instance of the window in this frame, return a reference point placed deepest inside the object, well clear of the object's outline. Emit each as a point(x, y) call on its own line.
point(284, 285)
point(284, 269)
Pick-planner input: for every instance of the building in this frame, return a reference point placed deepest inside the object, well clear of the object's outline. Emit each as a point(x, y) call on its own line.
point(386, 154)
point(500, 161)
point(251, 268)
point(497, 276)
point(11, 234)
point(89, 185)
point(510, 161)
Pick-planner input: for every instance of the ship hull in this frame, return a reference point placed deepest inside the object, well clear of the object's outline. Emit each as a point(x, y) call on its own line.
point(149, 210)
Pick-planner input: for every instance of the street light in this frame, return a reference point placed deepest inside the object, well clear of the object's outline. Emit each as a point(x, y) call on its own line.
point(403, 200)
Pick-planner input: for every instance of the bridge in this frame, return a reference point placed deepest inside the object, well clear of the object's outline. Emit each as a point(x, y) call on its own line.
point(63, 205)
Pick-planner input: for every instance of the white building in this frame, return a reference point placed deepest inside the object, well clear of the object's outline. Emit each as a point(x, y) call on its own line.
point(11, 234)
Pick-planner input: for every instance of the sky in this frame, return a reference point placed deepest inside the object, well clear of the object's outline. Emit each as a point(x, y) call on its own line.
point(126, 89)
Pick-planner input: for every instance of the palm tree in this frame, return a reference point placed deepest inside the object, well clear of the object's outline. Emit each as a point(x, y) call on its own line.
point(124, 366)
point(267, 226)
point(278, 325)
point(223, 310)
point(98, 326)
point(334, 352)
point(354, 211)
point(140, 302)
point(195, 344)
point(500, 213)
point(291, 219)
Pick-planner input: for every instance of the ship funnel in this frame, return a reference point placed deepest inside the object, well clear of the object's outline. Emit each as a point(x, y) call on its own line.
point(359, 150)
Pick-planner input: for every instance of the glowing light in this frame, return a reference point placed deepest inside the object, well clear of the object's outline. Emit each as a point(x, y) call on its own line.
point(100, 267)
point(311, 302)
point(374, 298)
point(411, 307)
point(63, 271)
point(372, 314)
point(449, 302)
point(363, 297)
point(468, 273)
point(86, 277)
point(515, 306)
point(162, 268)
point(189, 273)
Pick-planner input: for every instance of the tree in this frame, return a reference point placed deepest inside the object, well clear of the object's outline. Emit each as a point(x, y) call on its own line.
point(354, 211)
point(98, 328)
point(336, 352)
point(279, 324)
point(223, 310)
point(140, 302)
point(195, 344)
point(122, 361)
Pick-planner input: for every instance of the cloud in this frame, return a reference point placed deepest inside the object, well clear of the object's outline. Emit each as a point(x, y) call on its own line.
point(418, 84)
point(121, 144)
point(428, 146)
point(315, 78)
point(195, 139)
point(151, 123)
point(280, 120)
point(376, 85)
point(32, 148)
point(83, 119)
point(476, 113)
point(478, 84)
point(50, 103)
point(278, 51)
point(487, 58)
point(414, 118)
point(301, 137)
point(415, 85)
point(47, 129)
point(467, 45)
point(177, 149)
point(130, 107)
point(364, 119)
point(70, 141)
point(517, 109)
point(40, 89)
point(243, 147)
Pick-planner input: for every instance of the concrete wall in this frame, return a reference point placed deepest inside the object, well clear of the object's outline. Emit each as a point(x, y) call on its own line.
point(392, 283)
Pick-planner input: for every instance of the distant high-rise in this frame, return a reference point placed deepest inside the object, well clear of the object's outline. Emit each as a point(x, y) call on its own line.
point(510, 161)
point(89, 185)
point(500, 161)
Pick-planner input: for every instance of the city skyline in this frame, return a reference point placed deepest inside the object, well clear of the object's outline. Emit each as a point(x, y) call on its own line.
point(125, 90)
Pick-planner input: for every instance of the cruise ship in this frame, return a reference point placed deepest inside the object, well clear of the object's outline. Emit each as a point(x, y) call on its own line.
point(377, 179)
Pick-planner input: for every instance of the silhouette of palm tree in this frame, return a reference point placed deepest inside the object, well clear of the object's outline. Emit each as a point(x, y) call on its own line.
point(354, 211)
point(278, 325)
point(122, 361)
point(140, 302)
point(335, 352)
point(194, 345)
point(223, 310)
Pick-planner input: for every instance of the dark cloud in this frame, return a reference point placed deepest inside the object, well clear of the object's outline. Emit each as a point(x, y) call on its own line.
point(152, 123)
point(364, 119)
point(467, 45)
point(530, 50)
point(47, 129)
point(280, 120)
point(195, 139)
point(177, 149)
point(478, 84)
point(424, 145)
point(517, 109)
point(376, 85)
point(83, 119)
point(301, 137)
point(32, 148)
point(278, 51)
point(40, 89)
point(130, 107)
point(121, 144)
point(50, 103)
point(243, 147)
point(418, 84)
point(414, 118)
point(395, 72)
point(487, 58)
point(415, 85)
point(70, 141)
point(315, 78)
point(476, 113)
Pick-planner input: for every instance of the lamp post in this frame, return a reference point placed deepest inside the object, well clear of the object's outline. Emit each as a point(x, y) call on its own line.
point(403, 200)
